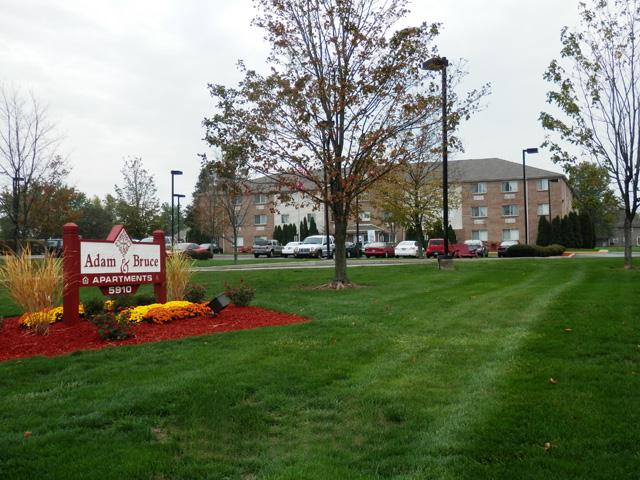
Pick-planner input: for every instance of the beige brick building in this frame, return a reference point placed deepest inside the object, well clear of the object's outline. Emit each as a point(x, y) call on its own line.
point(492, 199)
point(491, 206)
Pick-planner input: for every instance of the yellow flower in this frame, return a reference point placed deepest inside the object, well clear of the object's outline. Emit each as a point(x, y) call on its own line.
point(177, 309)
point(53, 315)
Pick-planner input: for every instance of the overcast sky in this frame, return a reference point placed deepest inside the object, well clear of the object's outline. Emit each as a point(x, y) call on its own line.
point(129, 77)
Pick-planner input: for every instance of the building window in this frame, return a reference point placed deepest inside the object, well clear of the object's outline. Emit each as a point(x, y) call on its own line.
point(480, 187)
point(365, 216)
point(478, 212)
point(510, 186)
point(543, 185)
point(543, 209)
point(284, 219)
point(260, 198)
point(480, 235)
point(510, 234)
point(237, 201)
point(311, 216)
point(260, 219)
point(509, 210)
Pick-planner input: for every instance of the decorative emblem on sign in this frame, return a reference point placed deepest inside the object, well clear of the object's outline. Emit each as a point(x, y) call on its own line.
point(123, 242)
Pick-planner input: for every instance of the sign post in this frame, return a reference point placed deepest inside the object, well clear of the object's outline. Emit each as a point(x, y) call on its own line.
point(116, 265)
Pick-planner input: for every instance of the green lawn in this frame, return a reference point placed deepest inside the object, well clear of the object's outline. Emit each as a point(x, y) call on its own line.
point(419, 374)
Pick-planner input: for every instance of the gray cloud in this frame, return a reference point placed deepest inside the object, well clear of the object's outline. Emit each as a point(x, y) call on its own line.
point(129, 77)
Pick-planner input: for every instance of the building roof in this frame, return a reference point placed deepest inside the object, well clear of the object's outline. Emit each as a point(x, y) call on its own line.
point(493, 169)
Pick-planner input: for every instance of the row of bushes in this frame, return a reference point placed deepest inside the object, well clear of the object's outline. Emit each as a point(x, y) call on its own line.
point(522, 250)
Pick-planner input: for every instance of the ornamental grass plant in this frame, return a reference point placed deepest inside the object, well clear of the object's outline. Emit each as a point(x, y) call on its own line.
point(178, 269)
point(34, 285)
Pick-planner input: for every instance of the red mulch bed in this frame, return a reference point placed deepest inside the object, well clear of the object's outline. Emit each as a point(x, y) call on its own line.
point(17, 342)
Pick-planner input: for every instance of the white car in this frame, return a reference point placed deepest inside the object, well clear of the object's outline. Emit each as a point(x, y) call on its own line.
point(407, 248)
point(289, 249)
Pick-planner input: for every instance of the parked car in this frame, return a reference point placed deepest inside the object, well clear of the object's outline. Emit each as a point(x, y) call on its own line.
point(55, 247)
point(477, 247)
point(407, 248)
point(203, 252)
point(267, 247)
point(315, 246)
point(379, 249)
point(354, 250)
point(212, 247)
point(167, 241)
point(435, 248)
point(289, 249)
point(186, 247)
point(502, 248)
point(462, 250)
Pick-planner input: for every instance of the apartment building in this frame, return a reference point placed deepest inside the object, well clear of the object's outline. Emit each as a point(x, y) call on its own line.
point(491, 205)
point(492, 199)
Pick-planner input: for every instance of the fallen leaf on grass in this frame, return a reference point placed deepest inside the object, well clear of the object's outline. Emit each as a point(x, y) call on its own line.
point(552, 381)
point(26, 434)
point(568, 330)
point(547, 446)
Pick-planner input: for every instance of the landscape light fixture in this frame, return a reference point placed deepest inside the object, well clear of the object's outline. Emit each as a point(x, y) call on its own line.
point(524, 187)
point(173, 174)
point(178, 196)
point(440, 64)
point(219, 303)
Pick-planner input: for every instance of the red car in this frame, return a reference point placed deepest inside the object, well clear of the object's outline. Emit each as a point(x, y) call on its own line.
point(379, 249)
point(435, 248)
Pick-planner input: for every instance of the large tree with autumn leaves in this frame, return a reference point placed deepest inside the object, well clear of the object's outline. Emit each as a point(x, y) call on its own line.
point(332, 115)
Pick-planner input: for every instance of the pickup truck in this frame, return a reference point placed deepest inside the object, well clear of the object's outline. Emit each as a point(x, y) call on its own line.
point(435, 248)
point(267, 247)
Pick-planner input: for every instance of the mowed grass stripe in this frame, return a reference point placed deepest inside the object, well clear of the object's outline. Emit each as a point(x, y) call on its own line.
point(590, 417)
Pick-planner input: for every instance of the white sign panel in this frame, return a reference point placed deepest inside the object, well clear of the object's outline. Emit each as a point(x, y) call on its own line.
point(122, 256)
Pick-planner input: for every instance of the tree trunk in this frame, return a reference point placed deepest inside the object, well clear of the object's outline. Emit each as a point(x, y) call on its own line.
point(340, 256)
point(420, 233)
point(235, 246)
point(628, 258)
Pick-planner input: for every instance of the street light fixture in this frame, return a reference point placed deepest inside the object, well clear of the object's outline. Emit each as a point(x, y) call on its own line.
point(178, 196)
point(440, 64)
point(173, 174)
point(524, 187)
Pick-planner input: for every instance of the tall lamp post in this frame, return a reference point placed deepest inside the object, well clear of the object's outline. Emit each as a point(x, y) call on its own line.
point(16, 210)
point(178, 196)
point(554, 180)
point(173, 174)
point(441, 64)
point(524, 188)
point(326, 126)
